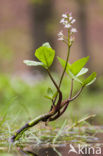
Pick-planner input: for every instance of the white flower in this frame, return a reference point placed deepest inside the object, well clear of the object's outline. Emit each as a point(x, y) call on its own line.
point(67, 25)
point(63, 21)
point(72, 39)
point(70, 18)
point(73, 30)
point(61, 38)
point(67, 20)
point(60, 35)
point(64, 16)
point(73, 21)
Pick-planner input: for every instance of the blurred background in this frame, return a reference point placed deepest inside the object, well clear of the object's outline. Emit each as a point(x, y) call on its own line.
point(24, 26)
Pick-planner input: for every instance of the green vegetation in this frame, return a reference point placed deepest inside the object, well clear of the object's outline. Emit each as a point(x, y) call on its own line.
point(19, 99)
point(24, 102)
point(21, 102)
point(45, 54)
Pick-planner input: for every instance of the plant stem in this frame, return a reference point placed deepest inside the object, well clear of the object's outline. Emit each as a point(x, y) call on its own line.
point(65, 106)
point(64, 67)
point(67, 59)
point(30, 124)
point(55, 84)
point(71, 88)
point(71, 99)
point(43, 118)
point(46, 116)
point(58, 89)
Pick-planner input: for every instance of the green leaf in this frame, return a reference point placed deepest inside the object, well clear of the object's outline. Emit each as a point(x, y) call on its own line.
point(89, 80)
point(48, 97)
point(55, 94)
point(77, 66)
point(33, 63)
point(82, 72)
point(68, 69)
point(45, 54)
point(46, 44)
point(63, 62)
point(49, 94)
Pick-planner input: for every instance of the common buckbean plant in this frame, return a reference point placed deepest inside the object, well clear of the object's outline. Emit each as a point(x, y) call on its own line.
point(45, 54)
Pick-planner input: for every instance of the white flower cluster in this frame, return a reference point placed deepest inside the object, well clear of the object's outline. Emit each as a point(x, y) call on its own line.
point(67, 20)
point(60, 36)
